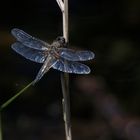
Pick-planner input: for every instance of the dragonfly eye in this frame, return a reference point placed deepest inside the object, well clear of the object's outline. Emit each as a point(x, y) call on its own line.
point(61, 40)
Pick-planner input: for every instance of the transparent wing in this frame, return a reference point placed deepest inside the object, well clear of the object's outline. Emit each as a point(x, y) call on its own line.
point(73, 55)
point(71, 67)
point(29, 53)
point(28, 40)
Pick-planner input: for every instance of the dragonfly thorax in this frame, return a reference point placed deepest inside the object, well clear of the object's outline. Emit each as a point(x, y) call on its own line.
point(54, 51)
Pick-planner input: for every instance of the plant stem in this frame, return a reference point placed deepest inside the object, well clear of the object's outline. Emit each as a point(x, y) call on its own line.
point(66, 105)
point(65, 77)
point(4, 105)
point(0, 127)
point(65, 20)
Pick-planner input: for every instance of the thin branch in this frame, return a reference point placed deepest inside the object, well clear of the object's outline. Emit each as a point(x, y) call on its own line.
point(65, 20)
point(4, 105)
point(0, 127)
point(66, 105)
point(65, 76)
point(60, 4)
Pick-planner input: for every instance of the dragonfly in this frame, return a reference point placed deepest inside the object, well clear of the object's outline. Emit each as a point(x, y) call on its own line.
point(55, 55)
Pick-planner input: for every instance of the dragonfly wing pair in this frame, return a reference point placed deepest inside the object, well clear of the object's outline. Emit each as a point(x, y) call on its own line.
point(29, 53)
point(37, 50)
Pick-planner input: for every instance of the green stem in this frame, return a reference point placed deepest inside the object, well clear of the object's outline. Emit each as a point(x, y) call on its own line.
point(14, 97)
point(0, 127)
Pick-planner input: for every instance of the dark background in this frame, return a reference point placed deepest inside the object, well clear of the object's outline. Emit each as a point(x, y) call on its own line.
point(105, 105)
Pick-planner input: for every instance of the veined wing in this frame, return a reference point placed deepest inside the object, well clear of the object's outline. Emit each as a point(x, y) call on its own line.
point(71, 67)
point(73, 55)
point(29, 53)
point(28, 40)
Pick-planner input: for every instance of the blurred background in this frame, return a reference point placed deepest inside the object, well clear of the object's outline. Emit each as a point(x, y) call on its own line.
point(105, 105)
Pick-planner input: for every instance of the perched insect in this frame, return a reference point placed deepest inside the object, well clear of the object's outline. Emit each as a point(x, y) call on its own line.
point(54, 55)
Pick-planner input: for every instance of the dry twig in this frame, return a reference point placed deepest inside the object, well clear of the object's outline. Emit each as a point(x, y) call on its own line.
point(65, 77)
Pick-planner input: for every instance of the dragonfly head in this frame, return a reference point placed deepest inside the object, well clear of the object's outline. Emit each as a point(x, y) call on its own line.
point(61, 40)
